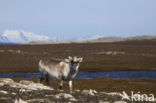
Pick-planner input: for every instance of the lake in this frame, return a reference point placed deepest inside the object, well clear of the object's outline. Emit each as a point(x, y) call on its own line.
point(90, 75)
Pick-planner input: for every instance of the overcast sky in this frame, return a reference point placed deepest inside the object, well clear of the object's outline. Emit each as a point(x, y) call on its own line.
point(73, 19)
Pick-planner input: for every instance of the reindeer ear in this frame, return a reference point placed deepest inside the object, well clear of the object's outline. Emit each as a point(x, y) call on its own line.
point(75, 58)
point(80, 59)
point(70, 58)
point(66, 60)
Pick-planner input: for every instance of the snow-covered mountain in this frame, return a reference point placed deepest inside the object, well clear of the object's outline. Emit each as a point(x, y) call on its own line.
point(20, 36)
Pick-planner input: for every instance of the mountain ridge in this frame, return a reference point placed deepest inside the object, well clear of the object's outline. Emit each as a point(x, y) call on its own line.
point(121, 39)
point(22, 37)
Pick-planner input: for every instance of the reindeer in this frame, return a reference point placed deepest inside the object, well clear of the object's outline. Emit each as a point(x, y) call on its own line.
point(64, 70)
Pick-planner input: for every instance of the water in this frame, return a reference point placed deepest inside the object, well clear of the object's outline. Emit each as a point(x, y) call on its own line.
point(90, 75)
point(122, 74)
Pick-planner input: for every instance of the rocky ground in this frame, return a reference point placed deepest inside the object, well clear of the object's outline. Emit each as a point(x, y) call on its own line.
point(30, 92)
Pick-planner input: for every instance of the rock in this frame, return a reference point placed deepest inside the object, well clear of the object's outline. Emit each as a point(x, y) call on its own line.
point(22, 90)
point(63, 95)
point(25, 82)
point(102, 101)
point(86, 92)
point(20, 101)
point(119, 102)
point(30, 85)
point(72, 92)
point(5, 98)
point(1, 84)
point(77, 90)
point(13, 93)
point(49, 95)
point(36, 86)
point(67, 96)
point(73, 99)
point(4, 92)
point(93, 91)
point(4, 81)
point(31, 92)
point(89, 92)
point(37, 100)
point(112, 93)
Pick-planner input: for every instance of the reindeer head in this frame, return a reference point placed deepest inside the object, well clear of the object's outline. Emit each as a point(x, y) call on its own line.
point(74, 62)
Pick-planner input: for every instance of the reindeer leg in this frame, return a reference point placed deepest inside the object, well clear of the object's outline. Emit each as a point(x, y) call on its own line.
point(41, 78)
point(61, 85)
point(47, 80)
point(70, 85)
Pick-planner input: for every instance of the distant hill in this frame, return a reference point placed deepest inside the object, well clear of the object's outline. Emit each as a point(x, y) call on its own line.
point(106, 39)
point(12, 37)
point(120, 39)
point(99, 40)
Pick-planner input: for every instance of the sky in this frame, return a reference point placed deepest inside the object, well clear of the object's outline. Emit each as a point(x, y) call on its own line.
point(79, 19)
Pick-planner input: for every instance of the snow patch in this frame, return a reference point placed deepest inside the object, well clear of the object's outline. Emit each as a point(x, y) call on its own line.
point(20, 36)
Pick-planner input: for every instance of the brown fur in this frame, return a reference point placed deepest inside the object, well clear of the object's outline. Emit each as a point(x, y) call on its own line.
point(53, 62)
point(50, 61)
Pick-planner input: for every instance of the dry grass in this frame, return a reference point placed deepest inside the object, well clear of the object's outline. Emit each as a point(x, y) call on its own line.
point(140, 55)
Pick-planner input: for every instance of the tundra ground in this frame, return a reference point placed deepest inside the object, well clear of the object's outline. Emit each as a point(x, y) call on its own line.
point(107, 85)
point(98, 90)
point(98, 57)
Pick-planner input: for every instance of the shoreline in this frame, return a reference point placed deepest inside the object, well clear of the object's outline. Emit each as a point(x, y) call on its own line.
point(98, 90)
point(81, 71)
point(143, 85)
